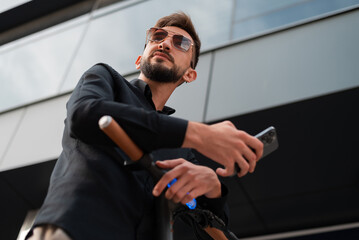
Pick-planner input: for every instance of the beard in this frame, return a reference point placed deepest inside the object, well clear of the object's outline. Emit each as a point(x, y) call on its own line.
point(159, 73)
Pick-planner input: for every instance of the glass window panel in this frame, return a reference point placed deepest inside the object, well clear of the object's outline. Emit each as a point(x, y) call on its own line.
point(33, 68)
point(118, 38)
point(51, 62)
point(252, 8)
point(285, 14)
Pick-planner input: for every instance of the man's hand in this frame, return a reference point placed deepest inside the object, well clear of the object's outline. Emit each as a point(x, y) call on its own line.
point(226, 145)
point(192, 181)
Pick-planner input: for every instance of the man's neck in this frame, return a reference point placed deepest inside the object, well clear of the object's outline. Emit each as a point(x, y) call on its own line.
point(160, 91)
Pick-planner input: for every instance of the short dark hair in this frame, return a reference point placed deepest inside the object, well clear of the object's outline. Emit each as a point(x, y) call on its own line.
point(183, 21)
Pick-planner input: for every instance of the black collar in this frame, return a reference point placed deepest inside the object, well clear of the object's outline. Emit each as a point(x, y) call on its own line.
point(143, 86)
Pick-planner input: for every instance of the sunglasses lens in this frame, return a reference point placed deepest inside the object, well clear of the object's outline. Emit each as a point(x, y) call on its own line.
point(157, 35)
point(181, 42)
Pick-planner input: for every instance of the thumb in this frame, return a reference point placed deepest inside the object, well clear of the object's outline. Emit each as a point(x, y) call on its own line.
point(170, 163)
point(162, 164)
point(223, 172)
point(167, 164)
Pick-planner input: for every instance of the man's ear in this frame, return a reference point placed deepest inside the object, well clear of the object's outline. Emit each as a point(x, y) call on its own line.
point(138, 62)
point(190, 75)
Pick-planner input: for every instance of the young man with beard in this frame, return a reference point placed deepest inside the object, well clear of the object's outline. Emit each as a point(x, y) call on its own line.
point(92, 194)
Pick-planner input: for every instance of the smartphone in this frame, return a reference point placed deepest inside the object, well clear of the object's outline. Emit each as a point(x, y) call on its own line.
point(269, 139)
point(270, 143)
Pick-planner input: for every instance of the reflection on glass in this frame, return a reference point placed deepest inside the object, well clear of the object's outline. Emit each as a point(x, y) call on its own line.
point(245, 9)
point(48, 65)
point(282, 12)
point(34, 70)
point(118, 38)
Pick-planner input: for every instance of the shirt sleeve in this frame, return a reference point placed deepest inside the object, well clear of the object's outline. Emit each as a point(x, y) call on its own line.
point(99, 93)
point(218, 206)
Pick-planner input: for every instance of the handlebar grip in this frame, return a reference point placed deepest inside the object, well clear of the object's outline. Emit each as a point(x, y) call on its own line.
point(120, 137)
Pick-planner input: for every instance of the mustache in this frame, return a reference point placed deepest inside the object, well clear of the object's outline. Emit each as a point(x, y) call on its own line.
point(163, 52)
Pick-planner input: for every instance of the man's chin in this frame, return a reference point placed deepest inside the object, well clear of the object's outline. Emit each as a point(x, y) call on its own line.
point(159, 71)
point(162, 63)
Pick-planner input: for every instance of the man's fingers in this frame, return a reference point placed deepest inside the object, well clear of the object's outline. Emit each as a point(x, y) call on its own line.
point(174, 189)
point(241, 167)
point(157, 190)
point(244, 165)
point(252, 166)
point(167, 177)
point(162, 183)
point(179, 192)
point(257, 147)
point(189, 196)
point(250, 157)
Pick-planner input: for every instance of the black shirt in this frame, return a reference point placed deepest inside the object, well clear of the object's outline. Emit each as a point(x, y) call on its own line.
point(92, 195)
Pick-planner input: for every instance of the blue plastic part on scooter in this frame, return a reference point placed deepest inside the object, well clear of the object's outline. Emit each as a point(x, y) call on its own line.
point(192, 204)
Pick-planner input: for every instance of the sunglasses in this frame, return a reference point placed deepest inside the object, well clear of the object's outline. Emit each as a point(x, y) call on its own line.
point(158, 35)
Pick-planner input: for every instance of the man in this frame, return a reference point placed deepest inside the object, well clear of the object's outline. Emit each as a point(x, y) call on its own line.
point(92, 195)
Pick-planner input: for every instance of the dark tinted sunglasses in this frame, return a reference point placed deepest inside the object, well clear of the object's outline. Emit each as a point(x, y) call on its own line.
point(158, 35)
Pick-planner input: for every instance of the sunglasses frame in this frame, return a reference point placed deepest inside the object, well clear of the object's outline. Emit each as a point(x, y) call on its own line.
point(152, 30)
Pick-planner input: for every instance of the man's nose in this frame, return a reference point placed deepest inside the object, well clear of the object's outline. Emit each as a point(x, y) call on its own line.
point(165, 44)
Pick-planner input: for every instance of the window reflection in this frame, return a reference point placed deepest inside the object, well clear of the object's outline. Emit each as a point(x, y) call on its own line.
point(245, 9)
point(118, 38)
point(258, 16)
point(52, 64)
point(34, 70)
